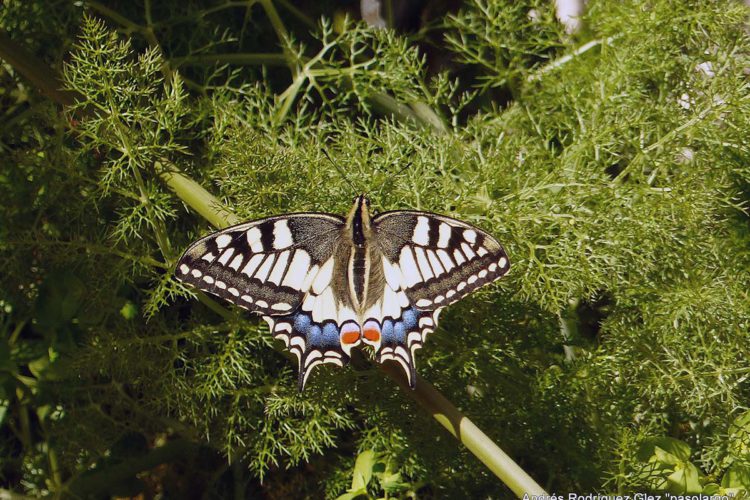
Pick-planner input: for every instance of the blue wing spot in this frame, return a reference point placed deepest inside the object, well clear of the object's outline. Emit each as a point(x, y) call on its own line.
point(302, 323)
point(387, 331)
point(326, 335)
point(330, 335)
point(315, 335)
point(395, 331)
point(409, 319)
point(399, 332)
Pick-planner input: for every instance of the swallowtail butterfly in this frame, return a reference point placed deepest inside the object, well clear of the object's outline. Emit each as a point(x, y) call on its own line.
point(326, 284)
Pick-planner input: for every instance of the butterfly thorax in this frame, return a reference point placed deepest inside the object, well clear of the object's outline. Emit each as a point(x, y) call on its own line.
point(358, 221)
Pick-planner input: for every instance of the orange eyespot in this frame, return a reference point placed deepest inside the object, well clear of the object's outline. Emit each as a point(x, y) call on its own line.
point(372, 334)
point(350, 337)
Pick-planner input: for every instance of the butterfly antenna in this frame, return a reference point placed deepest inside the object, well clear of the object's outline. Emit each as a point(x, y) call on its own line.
point(388, 178)
point(341, 171)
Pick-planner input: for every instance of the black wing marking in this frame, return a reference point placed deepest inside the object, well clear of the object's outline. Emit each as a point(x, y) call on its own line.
point(265, 266)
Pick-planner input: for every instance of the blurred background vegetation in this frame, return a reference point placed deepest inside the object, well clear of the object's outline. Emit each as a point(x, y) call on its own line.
point(609, 155)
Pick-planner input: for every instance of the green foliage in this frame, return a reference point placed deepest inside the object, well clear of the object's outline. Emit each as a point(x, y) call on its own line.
point(505, 40)
point(612, 164)
point(368, 466)
point(663, 464)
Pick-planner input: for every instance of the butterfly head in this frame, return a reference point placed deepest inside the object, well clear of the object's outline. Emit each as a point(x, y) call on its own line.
point(362, 199)
point(359, 220)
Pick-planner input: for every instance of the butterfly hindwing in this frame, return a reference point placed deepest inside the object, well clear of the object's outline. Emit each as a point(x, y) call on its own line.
point(324, 328)
point(265, 266)
point(401, 336)
point(311, 341)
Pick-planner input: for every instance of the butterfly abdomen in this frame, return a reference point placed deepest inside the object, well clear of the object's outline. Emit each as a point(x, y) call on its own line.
point(358, 275)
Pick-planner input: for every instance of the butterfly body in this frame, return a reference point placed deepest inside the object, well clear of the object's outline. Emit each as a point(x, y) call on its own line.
point(326, 284)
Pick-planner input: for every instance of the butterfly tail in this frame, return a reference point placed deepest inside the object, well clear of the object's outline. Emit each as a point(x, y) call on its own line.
point(398, 353)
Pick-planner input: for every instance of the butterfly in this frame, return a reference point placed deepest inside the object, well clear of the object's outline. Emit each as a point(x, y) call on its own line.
point(326, 284)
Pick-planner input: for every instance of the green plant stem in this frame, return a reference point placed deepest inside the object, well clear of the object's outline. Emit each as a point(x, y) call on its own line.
point(387, 105)
point(23, 419)
point(281, 32)
point(199, 199)
point(147, 13)
point(160, 230)
point(428, 117)
point(178, 19)
point(541, 72)
point(115, 16)
point(669, 136)
point(465, 431)
point(196, 197)
point(384, 104)
point(275, 19)
point(297, 13)
point(569, 328)
point(54, 467)
point(146, 31)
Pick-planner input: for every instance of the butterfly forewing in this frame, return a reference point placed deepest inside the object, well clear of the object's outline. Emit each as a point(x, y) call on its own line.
point(265, 266)
point(435, 259)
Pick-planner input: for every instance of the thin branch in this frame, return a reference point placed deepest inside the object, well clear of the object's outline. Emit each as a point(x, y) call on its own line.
point(569, 57)
point(115, 16)
point(697, 118)
point(297, 13)
point(199, 14)
point(94, 248)
point(249, 59)
point(281, 33)
point(146, 31)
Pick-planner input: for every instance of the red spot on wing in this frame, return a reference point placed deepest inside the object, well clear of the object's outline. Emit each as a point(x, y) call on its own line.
point(372, 333)
point(351, 337)
point(350, 333)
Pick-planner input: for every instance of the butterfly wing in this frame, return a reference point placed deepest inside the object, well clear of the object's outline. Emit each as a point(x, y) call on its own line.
point(280, 267)
point(324, 328)
point(265, 266)
point(433, 261)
